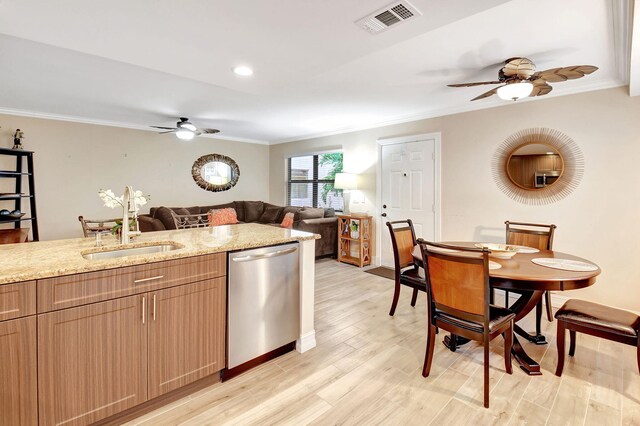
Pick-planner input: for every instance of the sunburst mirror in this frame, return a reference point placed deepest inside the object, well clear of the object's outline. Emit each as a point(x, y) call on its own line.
point(538, 166)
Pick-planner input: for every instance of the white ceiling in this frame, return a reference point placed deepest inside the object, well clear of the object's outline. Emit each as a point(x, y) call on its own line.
point(146, 62)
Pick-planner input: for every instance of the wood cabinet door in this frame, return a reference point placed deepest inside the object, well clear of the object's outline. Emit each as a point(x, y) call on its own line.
point(92, 361)
point(18, 372)
point(186, 334)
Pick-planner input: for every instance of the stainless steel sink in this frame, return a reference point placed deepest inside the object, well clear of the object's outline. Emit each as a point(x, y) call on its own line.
point(130, 251)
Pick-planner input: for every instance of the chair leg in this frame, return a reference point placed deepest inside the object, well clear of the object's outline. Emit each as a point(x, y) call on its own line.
point(539, 317)
point(492, 296)
point(547, 301)
point(560, 345)
point(508, 344)
point(486, 372)
point(638, 354)
point(506, 299)
point(396, 296)
point(414, 297)
point(428, 356)
point(572, 342)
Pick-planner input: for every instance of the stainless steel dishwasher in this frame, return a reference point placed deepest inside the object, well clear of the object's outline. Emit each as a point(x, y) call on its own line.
point(264, 301)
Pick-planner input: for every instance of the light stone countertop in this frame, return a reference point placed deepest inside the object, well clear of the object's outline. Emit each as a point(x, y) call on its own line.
point(44, 259)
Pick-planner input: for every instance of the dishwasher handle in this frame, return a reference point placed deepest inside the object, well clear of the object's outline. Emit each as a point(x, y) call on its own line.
point(265, 256)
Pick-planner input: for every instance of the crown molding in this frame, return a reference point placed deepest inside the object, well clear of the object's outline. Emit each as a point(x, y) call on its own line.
point(471, 106)
point(83, 120)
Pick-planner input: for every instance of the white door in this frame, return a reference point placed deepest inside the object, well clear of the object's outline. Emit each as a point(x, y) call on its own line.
point(408, 190)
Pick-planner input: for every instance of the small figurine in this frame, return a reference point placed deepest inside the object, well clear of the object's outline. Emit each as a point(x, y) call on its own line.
point(17, 139)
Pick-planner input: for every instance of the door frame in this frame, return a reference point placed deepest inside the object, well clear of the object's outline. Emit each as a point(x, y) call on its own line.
point(437, 137)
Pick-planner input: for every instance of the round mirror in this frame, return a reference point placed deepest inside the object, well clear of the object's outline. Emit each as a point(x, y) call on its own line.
point(215, 172)
point(535, 166)
point(538, 166)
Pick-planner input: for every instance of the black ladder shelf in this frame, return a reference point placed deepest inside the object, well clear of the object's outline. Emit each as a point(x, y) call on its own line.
point(17, 196)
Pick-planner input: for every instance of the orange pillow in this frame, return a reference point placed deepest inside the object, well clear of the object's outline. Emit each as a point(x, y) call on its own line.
point(222, 216)
point(287, 222)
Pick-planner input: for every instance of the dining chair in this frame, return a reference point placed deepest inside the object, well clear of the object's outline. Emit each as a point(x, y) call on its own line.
point(536, 236)
point(92, 226)
point(407, 271)
point(457, 280)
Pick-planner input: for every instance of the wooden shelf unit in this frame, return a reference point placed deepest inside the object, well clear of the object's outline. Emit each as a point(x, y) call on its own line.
point(17, 196)
point(355, 249)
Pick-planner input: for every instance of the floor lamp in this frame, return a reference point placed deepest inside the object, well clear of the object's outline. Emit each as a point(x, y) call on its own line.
point(346, 182)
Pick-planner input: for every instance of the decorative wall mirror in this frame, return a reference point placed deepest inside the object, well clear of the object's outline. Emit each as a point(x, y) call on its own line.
point(538, 166)
point(215, 172)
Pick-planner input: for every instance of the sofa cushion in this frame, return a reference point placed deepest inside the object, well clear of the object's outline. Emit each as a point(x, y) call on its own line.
point(329, 212)
point(310, 213)
point(290, 209)
point(164, 214)
point(253, 210)
point(270, 214)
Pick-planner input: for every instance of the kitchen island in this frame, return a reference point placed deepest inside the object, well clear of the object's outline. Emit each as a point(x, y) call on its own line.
point(86, 335)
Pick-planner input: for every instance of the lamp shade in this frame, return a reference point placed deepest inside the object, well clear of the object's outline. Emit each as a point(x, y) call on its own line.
point(346, 181)
point(515, 91)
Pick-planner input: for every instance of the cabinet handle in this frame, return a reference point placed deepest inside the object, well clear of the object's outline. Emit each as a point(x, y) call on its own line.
point(154, 307)
point(141, 280)
point(144, 304)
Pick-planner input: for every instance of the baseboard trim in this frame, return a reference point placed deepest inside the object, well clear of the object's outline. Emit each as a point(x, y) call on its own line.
point(306, 342)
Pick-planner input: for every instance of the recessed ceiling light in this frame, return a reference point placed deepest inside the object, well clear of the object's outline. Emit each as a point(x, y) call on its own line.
point(243, 70)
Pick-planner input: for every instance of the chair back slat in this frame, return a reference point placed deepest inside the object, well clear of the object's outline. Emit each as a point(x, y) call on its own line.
point(403, 240)
point(457, 282)
point(530, 235)
point(91, 226)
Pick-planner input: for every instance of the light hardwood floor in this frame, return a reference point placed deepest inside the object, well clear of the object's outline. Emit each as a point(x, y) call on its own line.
point(366, 370)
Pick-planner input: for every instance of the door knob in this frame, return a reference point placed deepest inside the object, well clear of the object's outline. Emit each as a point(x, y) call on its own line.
point(384, 206)
point(383, 215)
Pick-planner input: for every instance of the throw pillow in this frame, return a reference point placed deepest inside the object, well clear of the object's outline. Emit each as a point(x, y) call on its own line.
point(270, 215)
point(287, 222)
point(223, 217)
point(289, 209)
point(329, 212)
point(311, 213)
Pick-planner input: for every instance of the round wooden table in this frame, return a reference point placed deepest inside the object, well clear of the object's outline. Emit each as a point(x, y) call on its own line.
point(529, 280)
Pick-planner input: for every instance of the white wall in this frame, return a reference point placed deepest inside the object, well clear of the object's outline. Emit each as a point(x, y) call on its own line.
point(73, 161)
point(598, 221)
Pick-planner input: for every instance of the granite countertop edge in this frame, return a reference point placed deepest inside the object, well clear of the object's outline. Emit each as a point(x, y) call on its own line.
point(48, 259)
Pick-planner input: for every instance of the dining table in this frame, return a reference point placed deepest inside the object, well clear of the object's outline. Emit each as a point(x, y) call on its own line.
point(524, 275)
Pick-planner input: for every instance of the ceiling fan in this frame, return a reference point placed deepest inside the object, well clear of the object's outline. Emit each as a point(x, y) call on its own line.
point(185, 130)
point(519, 79)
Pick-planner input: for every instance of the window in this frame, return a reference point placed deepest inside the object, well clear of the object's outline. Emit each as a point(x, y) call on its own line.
point(310, 181)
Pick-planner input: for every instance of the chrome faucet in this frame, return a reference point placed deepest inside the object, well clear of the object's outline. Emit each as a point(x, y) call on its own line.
point(129, 199)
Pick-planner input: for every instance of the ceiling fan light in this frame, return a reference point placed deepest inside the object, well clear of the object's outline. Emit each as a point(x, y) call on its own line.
point(515, 91)
point(185, 134)
point(188, 126)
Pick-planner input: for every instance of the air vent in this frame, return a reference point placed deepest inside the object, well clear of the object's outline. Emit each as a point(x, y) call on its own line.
point(384, 18)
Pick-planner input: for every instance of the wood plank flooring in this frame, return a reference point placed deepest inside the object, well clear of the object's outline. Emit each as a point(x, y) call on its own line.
point(366, 371)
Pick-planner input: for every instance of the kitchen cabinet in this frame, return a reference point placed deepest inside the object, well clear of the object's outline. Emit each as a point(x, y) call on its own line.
point(186, 334)
point(92, 361)
point(18, 372)
point(99, 359)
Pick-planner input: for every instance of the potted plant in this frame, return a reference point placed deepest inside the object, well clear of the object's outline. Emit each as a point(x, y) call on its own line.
point(354, 229)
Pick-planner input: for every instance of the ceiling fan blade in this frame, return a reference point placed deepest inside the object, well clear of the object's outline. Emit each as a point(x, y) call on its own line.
point(168, 131)
point(479, 83)
point(540, 88)
point(556, 75)
point(163, 128)
point(488, 93)
point(208, 131)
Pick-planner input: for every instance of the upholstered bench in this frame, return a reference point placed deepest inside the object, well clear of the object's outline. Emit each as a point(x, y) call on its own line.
point(596, 320)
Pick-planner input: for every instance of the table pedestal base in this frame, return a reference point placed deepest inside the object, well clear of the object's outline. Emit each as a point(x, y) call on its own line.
point(453, 342)
point(538, 339)
point(527, 364)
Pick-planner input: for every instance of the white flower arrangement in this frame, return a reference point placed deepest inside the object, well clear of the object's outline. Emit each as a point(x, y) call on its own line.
point(110, 199)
